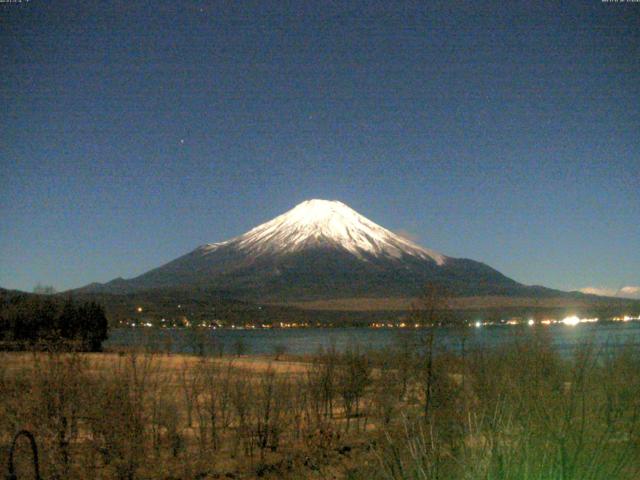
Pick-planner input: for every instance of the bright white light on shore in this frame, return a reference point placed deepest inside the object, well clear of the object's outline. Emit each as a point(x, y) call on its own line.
point(478, 324)
point(139, 309)
point(573, 320)
point(531, 321)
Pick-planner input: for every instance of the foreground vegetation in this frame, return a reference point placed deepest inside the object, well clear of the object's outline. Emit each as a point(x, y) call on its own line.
point(517, 412)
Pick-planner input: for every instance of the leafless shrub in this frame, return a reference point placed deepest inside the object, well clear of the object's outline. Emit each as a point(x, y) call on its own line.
point(279, 351)
point(321, 384)
point(517, 411)
point(117, 418)
point(190, 384)
point(353, 375)
point(271, 404)
point(240, 347)
point(56, 388)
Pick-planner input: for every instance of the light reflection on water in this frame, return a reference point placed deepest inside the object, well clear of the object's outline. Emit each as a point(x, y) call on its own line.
point(605, 336)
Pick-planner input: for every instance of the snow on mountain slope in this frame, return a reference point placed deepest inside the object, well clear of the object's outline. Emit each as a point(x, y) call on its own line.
point(325, 223)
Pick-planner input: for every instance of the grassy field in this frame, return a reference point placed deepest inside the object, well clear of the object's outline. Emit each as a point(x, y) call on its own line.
point(520, 412)
point(467, 303)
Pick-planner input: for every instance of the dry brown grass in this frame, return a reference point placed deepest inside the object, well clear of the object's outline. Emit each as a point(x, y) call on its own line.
point(168, 364)
point(457, 303)
point(517, 412)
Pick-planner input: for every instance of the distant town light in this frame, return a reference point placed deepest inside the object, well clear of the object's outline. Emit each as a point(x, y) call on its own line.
point(139, 309)
point(531, 321)
point(572, 320)
point(478, 323)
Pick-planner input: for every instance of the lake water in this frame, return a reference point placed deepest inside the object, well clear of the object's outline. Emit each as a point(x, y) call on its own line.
point(607, 336)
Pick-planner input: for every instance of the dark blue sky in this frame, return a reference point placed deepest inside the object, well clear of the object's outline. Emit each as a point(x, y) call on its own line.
point(134, 131)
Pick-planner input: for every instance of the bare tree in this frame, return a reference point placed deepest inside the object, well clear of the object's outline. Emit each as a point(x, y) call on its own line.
point(429, 311)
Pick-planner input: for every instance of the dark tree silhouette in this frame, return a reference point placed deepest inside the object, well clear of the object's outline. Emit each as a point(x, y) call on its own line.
point(27, 320)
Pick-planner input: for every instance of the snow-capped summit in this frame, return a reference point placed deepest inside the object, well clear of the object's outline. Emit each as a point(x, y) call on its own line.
point(317, 222)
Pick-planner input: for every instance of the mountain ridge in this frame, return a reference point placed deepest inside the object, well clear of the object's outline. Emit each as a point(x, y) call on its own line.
point(321, 249)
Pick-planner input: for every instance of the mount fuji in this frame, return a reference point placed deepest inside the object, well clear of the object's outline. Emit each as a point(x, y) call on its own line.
point(320, 250)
